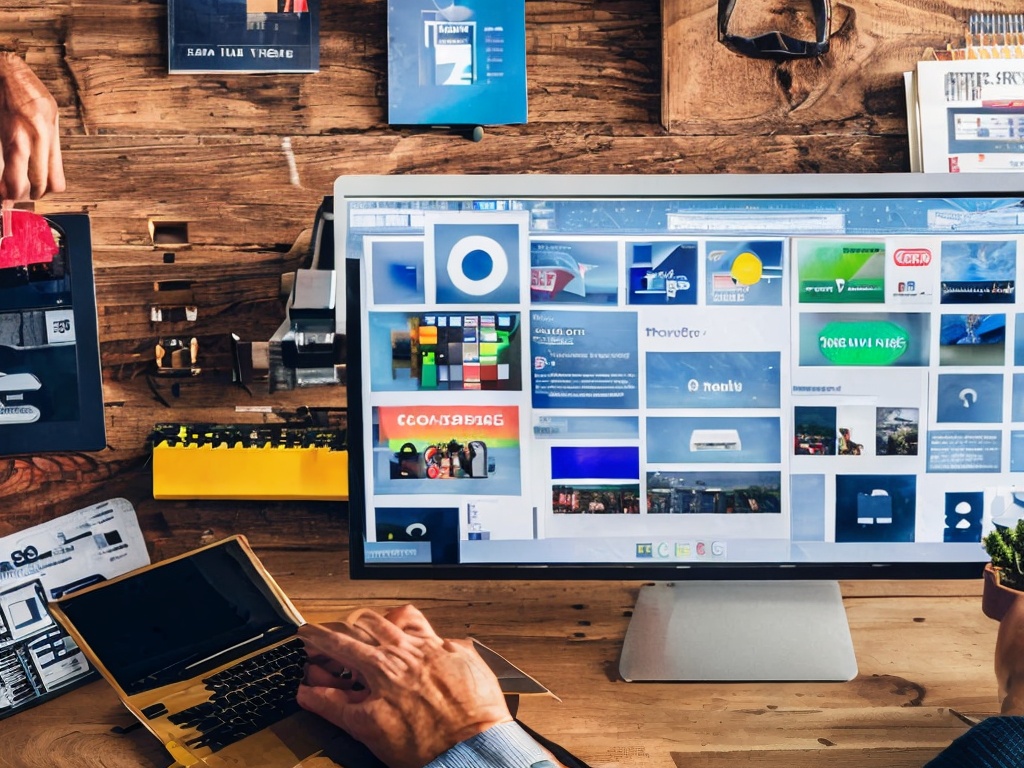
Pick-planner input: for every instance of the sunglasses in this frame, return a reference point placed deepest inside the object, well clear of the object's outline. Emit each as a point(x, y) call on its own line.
point(776, 45)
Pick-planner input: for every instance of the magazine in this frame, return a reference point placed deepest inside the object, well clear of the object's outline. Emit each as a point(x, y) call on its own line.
point(971, 115)
point(243, 36)
point(38, 660)
point(456, 62)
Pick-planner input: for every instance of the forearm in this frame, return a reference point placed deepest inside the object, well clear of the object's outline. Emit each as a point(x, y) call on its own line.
point(501, 746)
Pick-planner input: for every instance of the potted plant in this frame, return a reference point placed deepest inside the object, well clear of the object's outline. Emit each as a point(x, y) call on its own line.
point(1004, 575)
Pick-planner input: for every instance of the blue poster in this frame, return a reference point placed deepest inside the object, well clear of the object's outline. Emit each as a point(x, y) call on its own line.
point(456, 62)
point(1018, 345)
point(397, 270)
point(875, 507)
point(619, 462)
point(979, 272)
point(964, 512)
point(584, 359)
point(963, 451)
point(713, 379)
point(972, 339)
point(1017, 451)
point(971, 398)
point(662, 273)
point(1017, 399)
point(808, 516)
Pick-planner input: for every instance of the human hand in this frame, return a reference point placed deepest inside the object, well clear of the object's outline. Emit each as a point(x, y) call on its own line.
point(392, 683)
point(31, 163)
point(1010, 659)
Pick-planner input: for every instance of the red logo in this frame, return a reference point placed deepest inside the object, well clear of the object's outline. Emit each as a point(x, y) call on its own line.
point(912, 257)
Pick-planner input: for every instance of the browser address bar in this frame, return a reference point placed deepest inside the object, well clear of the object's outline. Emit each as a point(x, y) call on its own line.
point(776, 222)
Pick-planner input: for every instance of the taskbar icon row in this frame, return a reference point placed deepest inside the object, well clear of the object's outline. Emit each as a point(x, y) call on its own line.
point(681, 550)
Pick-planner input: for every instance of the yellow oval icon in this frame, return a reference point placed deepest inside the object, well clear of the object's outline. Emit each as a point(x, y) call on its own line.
point(746, 269)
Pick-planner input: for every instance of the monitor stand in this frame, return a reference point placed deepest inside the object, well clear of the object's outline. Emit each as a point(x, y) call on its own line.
point(739, 631)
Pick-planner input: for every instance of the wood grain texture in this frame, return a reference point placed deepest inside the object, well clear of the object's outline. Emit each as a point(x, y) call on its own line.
point(920, 658)
point(244, 199)
point(855, 88)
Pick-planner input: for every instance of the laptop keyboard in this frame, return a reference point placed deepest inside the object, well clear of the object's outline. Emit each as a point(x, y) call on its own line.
point(246, 698)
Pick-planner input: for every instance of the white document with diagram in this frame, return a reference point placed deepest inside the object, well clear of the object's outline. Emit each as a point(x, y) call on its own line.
point(38, 660)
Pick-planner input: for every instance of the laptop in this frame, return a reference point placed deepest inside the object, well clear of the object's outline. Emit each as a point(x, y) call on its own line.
point(203, 649)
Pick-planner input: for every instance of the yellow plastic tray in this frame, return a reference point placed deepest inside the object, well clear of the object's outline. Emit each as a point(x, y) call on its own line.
point(271, 473)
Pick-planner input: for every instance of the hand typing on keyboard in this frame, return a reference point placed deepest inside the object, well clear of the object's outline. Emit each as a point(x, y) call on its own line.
point(395, 685)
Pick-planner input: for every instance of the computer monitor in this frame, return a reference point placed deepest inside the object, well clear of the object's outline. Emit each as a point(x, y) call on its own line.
point(51, 387)
point(741, 387)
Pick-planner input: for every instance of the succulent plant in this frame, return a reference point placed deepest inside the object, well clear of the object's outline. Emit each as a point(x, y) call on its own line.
point(1005, 546)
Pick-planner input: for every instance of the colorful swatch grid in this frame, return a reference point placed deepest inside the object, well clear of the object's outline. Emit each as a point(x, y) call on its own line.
point(465, 351)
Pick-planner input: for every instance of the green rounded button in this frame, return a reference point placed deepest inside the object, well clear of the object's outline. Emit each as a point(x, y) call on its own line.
point(869, 342)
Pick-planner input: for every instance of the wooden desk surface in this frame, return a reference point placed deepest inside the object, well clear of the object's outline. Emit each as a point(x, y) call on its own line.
point(924, 651)
point(142, 147)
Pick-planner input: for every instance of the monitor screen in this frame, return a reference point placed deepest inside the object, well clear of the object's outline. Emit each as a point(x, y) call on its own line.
point(682, 376)
point(51, 392)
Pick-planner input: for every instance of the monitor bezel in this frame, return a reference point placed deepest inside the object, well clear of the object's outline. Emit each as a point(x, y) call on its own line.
point(626, 185)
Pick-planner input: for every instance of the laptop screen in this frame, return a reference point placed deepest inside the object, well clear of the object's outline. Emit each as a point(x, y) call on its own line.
point(180, 618)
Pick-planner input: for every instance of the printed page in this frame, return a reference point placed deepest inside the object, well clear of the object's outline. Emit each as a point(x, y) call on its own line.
point(971, 115)
point(38, 659)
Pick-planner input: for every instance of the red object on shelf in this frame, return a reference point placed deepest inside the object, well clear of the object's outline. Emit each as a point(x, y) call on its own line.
point(25, 239)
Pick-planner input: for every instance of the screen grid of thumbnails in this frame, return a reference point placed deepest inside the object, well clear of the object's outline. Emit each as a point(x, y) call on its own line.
point(690, 380)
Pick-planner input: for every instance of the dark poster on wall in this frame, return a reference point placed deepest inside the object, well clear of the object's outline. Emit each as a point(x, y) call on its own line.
point(243, 36)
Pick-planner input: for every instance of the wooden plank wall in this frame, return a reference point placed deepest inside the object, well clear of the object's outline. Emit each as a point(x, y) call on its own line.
point(244, 160)
point(854, 92)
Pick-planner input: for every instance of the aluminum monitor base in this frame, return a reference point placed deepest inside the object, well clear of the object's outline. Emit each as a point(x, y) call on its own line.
point(739, 631)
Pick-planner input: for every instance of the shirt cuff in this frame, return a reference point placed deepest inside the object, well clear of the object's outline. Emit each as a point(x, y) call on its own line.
point(501, 746)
